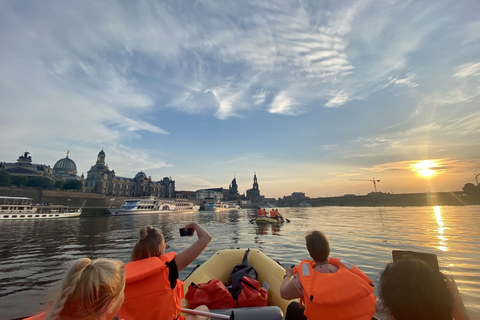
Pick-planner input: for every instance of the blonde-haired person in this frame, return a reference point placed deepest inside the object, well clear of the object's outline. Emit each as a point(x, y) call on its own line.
point(328, 288)
point(89, 290)
point(153, 289)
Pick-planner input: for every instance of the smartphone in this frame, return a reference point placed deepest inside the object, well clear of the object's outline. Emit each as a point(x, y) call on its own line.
point(186, 232)
point(428, 258)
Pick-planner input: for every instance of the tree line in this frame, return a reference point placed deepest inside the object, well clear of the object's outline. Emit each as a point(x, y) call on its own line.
point(7, 180)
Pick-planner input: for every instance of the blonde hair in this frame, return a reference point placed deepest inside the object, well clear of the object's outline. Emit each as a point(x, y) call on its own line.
point(88, 289)
point(318, 246)
point(148, 244)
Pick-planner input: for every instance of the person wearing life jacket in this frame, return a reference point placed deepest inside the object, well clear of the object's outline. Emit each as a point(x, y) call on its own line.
point(328, 288)
point(264, 212)
point(153, 290)
point(260, 212)
point(88, 290)
point(273, 214)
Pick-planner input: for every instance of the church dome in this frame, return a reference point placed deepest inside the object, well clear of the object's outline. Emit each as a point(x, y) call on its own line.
point(65, 164)
point(141, 176)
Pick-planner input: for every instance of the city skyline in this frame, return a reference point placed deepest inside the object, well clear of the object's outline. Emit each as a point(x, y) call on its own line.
point(313, 97)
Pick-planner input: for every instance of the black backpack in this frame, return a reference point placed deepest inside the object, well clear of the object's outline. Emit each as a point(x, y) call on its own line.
point(238, 272)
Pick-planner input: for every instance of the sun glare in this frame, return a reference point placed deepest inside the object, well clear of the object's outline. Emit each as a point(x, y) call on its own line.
point(425, 168)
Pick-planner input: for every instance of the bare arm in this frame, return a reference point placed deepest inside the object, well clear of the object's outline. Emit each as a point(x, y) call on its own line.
point(288, 290)
point(184, 258)
point(459, 312)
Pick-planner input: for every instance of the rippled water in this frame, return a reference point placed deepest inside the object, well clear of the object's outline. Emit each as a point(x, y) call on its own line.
point(33, 253)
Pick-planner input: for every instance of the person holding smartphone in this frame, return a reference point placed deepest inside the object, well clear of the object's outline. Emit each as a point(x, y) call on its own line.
point(153, 290)
point(411, 289)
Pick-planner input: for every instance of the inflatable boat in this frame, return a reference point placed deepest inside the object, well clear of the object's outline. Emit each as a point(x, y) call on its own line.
point(269, 220)
point(270, 276)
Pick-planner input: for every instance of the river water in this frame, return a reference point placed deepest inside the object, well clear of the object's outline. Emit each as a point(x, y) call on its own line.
point(34, 253)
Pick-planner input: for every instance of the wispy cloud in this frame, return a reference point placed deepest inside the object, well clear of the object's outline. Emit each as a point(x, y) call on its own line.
point(468, 70)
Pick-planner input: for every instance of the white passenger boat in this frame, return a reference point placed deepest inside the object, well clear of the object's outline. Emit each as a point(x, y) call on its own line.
point(220, 206)
point(14, 208)
point(226, 206)
point(154, 205)
point(209, 206)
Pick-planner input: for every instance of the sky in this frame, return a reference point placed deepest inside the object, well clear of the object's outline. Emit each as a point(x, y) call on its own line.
point(319, 97)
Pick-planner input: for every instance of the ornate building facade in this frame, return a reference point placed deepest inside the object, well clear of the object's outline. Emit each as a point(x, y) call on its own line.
point(100, 179)
point(24, 167)
point(66, 169)
point(254, 194)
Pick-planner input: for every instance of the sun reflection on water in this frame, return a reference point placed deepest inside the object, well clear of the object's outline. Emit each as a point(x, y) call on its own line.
point(441, 230)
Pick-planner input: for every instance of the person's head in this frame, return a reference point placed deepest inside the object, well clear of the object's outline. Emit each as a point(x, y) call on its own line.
point(318, 246)
point(150, 244)
point(410, 289)
point(90, 290)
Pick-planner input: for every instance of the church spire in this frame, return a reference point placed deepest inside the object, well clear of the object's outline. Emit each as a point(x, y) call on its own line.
point(255, 183)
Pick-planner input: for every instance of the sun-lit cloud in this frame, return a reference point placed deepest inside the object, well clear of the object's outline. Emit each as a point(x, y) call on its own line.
point(283, 104)
point(468, 70)
point(336, 86)
point(408, 81)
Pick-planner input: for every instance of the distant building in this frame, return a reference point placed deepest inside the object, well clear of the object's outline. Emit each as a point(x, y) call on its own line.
point(232, 193)
point(100, 179)
point(24, 167)
point(298, 195)
point(191, 195)
point(254, 194)
point(210, 194)
point(65, 170)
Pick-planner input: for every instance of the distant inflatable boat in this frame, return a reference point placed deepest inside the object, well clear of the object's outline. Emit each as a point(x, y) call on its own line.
point(269, 220)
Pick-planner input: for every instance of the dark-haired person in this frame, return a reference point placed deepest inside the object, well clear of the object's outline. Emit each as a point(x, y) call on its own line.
point(328, 288)
point(153, 290)
point(410, 289)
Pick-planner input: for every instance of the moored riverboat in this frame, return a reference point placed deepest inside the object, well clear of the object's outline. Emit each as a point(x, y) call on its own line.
point(153, 205)
point(14, 208)
point(226, 206)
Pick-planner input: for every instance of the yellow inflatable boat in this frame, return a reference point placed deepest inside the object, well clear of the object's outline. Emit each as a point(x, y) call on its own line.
point(269, 220)
point(220, 265)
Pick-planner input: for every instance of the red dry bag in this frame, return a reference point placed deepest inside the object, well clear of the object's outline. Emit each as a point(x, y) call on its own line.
point(252, 295)
point(213, 294)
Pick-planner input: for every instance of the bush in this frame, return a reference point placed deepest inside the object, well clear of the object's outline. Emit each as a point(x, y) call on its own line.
point(19, 180)
point(5, 179)
point(73, 185)
point(39, 182)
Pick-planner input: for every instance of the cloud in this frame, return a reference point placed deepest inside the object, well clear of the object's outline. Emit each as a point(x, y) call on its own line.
point(402, 82)
point(283, 104)
point(471, 69)
point(338, 99)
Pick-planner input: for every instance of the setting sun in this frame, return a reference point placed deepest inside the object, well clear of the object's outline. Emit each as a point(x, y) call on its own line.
point(425, 168)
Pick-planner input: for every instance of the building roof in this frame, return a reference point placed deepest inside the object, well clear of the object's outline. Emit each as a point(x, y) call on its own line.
point(65, 164)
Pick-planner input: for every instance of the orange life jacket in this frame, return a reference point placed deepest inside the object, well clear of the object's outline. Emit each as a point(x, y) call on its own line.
point(148, 294)
point(346, 294)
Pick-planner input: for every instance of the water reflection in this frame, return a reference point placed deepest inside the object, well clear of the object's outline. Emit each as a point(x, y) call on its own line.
point(440, 230)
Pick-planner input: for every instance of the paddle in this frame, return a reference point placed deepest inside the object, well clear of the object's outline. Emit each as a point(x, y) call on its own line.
point(206, 314)
point(288, 220)
point(269, 312)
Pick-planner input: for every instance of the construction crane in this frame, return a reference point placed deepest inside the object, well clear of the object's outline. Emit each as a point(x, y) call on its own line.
point(374, 181)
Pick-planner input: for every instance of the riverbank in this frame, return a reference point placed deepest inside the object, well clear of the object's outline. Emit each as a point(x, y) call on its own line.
point(389, 200)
